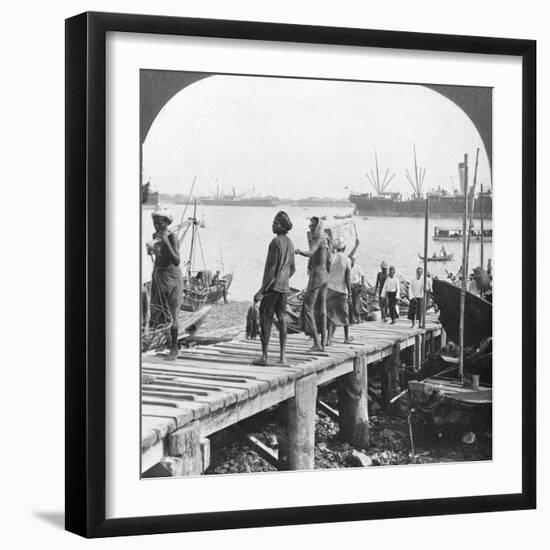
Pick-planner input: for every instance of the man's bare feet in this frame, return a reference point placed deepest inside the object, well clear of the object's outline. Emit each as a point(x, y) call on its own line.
point(348, 340)
point(260, 362)
point(282, 360)
point(315, 347)
point(172, 356)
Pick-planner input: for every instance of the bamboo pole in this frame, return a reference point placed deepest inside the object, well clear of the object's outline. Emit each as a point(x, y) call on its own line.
point(471, 212)
point(415, 168)
point(481, 224)
point(192, 248)
point(464, 275)
point(377, 174)
point(425, 299)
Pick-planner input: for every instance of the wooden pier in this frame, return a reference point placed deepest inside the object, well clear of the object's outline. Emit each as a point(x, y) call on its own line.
point(211, 387)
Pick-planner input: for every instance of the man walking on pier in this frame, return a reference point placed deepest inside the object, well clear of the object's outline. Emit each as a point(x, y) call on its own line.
point(389, 291)
point(315, 297)
point(416, 296)
point(380, 280)
point(279, 268)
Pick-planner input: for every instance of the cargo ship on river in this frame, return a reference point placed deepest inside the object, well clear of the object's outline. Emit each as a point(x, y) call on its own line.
point(442, 204)
point(238, 200)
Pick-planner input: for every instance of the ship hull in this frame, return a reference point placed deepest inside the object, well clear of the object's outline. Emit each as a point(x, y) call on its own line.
point(442, 207)
point(478, 313)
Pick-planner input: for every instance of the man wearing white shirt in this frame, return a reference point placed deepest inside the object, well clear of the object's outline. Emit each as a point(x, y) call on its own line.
point(389, 291)
point(416, 295)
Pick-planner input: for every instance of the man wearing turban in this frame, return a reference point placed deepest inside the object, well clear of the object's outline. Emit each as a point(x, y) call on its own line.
point(279, 268)
point(167, 279)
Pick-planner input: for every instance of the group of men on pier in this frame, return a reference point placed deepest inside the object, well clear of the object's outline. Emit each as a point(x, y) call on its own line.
point(332, 297)
point(388, 288)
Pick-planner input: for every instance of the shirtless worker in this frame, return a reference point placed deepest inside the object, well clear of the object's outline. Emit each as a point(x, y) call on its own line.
point(167, 279)
point(279, 268)
point(315, 297)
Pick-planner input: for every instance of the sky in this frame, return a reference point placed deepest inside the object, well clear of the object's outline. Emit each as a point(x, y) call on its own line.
point(296, 138)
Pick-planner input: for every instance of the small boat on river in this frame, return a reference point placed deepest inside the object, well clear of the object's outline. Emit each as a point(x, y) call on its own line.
point(454, 234)
point(341, 217)
point(440, 258)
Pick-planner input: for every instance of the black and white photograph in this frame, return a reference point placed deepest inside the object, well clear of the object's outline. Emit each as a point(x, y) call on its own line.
point(317, 273)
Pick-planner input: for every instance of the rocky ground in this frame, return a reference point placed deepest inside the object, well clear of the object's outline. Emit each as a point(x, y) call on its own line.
point(390, 442)
point(224, 322)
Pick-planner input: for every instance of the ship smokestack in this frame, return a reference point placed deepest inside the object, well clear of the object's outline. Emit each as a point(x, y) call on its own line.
point(461, 177)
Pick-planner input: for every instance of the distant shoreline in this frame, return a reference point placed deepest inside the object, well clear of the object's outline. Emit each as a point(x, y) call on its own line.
point(308, 202)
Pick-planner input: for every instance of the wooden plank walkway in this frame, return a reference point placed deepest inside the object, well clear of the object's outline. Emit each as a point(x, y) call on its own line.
point(211, 387)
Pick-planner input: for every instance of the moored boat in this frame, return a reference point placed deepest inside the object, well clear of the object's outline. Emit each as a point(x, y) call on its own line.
point(440, 258)
point(455, 234)
point(477, 311)
point(341, 217)
point(157, 336)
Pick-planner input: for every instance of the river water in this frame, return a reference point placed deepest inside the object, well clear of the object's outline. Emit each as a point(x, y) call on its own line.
point(238, 237)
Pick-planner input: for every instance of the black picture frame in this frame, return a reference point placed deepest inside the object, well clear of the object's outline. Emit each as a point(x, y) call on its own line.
point(86, 280)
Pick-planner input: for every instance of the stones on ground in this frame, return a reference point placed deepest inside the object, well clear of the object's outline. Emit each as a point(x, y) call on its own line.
point(469, 438)
point(356, 458)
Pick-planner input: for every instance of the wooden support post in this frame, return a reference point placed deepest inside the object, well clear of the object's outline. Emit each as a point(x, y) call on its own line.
point(353, 404)
point(423, 348)
point(205, 453)
point(297, 436)
point(390, 376)
point(431, 341)
point(185, 446)
point(416, 353)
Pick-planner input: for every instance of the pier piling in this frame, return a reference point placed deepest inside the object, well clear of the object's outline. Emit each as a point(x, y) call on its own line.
point(353, 407)
point(297, 440)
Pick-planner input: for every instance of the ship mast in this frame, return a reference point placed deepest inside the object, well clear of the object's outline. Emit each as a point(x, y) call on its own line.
point(419, 175)
point(193, 234)
point(374, 179)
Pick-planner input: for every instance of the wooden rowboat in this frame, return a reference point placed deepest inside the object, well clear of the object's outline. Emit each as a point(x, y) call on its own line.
point(450, 402)
point(216, 290)
point(159, 337)
point(446, 258)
